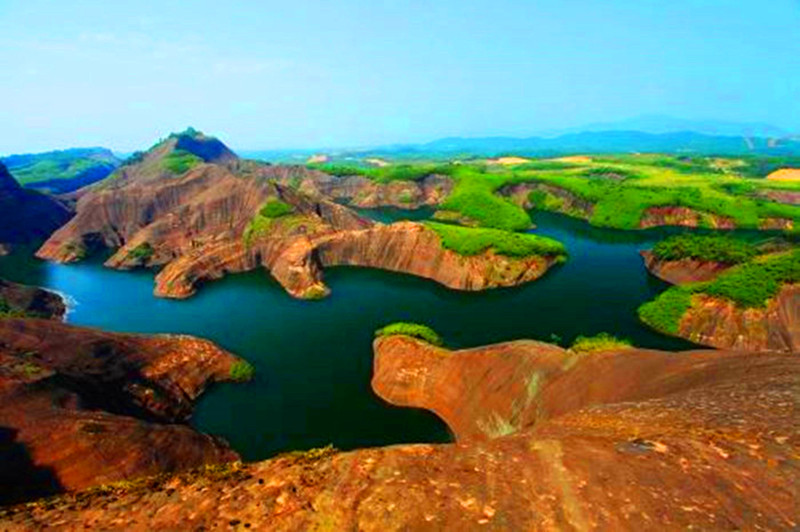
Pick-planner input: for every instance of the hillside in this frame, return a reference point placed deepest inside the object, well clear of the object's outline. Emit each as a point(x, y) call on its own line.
point(27, 215)
point(62, 171)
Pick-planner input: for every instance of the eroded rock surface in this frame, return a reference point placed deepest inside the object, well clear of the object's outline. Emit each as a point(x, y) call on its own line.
point(616, 440)
point(684, 270)
point(81, 407)
point(721, 323)
point(683, 217)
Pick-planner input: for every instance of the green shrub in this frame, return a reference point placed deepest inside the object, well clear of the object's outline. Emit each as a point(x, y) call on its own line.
point(384, 174)
point(472, 241)
point(755, 283)
point(722, 249)
point(180, 161)
point(473, 196)
point(275, 208)
point(415, 330)
point(599, 342)
point(242, 371)
point(142, 252)
point(664, 314)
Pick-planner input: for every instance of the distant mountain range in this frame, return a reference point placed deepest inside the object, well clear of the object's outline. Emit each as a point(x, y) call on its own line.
point(652, 133)
point(660, 124)
point(62, 171)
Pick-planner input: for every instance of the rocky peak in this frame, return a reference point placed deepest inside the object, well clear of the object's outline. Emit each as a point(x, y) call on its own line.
point(7, 181)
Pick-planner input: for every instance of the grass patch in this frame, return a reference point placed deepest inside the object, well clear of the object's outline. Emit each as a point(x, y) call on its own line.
point(242, 371)
point(706, 248)
point(384, 174)
point(262, 223)
point(180, 161)
point(142, 252)
point(472, 241)
point(275, 208)
point(664, 313)
point(414, 330)
point(599, 342)
point(473, 196)
point(755, 283)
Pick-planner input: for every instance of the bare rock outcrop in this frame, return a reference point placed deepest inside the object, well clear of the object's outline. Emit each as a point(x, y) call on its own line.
point(683, 217)
point(684, 270)
point(81, 407)
point(616, 440)
point(721, 323)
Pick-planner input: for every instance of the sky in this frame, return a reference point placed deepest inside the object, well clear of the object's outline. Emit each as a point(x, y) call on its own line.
point(304, 74)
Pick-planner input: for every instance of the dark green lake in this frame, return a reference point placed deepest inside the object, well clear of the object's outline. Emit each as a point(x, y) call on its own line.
point(314, 359)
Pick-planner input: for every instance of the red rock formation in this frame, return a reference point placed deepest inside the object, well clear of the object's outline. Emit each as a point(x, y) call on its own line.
point(682, 271)
point(776, 224)
point(683, 217)
point(32, 300)
point(297, 261)
point(632, 440)
point(790, 197)
point(366, 193)
point(90, 407)
point(720, 323)
point(568, 203)
point(26, 215)
point(195, 225)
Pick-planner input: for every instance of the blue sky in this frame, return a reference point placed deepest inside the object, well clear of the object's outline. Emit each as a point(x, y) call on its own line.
point(266, 75)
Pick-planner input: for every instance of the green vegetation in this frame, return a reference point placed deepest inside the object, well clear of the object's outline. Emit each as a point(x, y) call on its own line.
point(62, 171)
point(666, 311)
point(755, 283)
point(275, 208)
point(474, 198)
point(710, 186)
point(142, 252)
point(599, 342)
point(415, 330)
point(180, 161)
point(242, 371)
point(384, 174)
point(8, 311)
point(706, 248)
point(263, 222)
point(749, 285)
point(472, 241)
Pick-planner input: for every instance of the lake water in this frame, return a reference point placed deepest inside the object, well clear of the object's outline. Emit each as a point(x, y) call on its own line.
point(314, 358)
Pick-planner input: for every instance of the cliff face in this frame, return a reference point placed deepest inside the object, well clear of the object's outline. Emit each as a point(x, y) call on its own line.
point(555, 199)
point(31, 300)
point(297, 261)
point(633, 440)
point(720, 323)
point(683, 217)
point(366, 193)
point(25, 215)
point(81, 407)
point(682, 271)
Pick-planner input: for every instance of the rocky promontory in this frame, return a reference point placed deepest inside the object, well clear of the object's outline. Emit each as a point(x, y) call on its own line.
point(728, 294)
point(22, 300)
point(201, 218)
point(682, 271)
point(547, 439)
point(81, 407)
